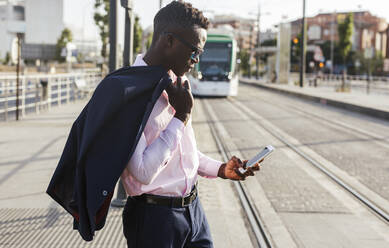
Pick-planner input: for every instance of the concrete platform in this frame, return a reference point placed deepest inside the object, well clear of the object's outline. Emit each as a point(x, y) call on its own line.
point(29, 152)
point(375, 105)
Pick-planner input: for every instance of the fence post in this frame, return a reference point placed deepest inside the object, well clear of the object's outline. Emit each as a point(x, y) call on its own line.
point(6, 100)
point(37, 98)
point(49, 80)
point(59, 90)
point(24, 90)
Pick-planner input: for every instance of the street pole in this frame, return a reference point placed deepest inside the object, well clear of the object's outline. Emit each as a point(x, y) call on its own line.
point(332, 43)
point(128, 33)
point(19, 36)
point(302, 59)
point(121, 196)
point(113, 63)
point(258, 42)
point(251, 50)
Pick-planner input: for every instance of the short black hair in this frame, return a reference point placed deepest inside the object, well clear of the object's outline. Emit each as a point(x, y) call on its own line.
point(178, 14)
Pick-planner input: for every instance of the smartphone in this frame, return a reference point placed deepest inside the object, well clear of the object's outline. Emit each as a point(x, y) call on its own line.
point(261, 155)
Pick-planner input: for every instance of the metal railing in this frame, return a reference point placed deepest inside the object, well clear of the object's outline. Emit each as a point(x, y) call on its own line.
point(42, 91)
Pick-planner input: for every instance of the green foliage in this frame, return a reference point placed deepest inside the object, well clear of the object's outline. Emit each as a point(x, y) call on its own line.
point(7, 58)
point(149, 40)
point(244, 57)
point(63, 40)
point(137, 45)
point(371, 66)
point(345, 30)
point(101, 20)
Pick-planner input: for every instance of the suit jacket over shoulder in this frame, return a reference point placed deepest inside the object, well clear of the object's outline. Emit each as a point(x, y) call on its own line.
point(101, 142)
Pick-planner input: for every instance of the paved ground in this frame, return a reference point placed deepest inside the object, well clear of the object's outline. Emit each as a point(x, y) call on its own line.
point(373, 104)
point(29, 152)
point(300, 207)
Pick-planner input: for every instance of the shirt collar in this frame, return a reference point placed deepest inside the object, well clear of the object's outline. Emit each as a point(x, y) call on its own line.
point(139, 61)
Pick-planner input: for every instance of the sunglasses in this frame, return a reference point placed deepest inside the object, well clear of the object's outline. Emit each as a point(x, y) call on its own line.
point(196, 51)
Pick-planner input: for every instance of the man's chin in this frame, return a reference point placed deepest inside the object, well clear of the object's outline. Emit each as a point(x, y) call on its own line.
point(180, 73)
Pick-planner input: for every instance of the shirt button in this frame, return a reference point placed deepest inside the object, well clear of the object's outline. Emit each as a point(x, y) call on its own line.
point(105, 193)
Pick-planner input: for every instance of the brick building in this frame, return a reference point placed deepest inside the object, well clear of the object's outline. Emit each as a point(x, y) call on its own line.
point(369, 31)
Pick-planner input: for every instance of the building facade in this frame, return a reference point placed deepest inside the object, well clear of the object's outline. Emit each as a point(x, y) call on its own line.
point(245, 30)
point(369, 31)
point(12, 21)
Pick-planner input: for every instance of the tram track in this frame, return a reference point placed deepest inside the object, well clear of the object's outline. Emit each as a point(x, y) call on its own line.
point(259, 232)
point(377, 210)
point(333, 123)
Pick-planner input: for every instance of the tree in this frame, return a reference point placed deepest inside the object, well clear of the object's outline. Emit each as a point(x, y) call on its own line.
point(149, 39)
point(7, 58)
point(137, 44)
point(244, 57)
point(63, 40)
point(101, 20)
point(345, 31)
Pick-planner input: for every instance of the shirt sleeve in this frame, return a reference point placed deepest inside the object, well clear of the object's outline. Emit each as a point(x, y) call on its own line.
point(208, 167)
point(148, 160)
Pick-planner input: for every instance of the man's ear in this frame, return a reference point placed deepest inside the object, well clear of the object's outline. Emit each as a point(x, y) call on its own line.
point(168, 40)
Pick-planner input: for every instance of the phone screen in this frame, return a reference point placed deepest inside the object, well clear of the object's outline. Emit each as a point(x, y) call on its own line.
point(262, 154)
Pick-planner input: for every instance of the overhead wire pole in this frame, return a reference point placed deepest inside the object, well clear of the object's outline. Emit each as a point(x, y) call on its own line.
point(302, 59)
point(332, 43)
point(258, 41)
point(113, 63)
point(121, 197)
point(19, 36)
point(128, 32)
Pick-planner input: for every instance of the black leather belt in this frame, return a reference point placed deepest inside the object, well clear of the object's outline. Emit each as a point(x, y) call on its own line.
point(174, 202)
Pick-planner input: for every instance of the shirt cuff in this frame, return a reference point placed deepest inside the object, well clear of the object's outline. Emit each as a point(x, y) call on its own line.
point(211, 168)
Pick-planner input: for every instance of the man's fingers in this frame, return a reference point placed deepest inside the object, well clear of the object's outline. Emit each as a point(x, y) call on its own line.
point(179, 82)
point(242, 176)
point(256, 167)
point(186, 85)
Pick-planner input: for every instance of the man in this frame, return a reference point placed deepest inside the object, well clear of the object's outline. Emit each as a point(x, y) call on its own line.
point(162, 209)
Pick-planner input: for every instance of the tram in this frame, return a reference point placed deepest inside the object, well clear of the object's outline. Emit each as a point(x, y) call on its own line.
point(216, 74)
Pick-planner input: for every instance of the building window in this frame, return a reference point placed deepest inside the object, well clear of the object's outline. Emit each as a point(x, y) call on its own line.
point(18, 13)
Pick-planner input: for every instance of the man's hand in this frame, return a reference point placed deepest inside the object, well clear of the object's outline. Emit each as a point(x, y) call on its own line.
point(181, 99)
point(230, 170)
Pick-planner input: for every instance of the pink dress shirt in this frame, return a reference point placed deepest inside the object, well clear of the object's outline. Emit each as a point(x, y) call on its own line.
point(166, 160)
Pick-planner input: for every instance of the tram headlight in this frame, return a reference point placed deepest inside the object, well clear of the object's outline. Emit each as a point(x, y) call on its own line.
point(199, 75)
point(229, 75)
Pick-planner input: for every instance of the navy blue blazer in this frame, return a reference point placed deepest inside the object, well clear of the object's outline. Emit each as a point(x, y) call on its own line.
point(101, 142)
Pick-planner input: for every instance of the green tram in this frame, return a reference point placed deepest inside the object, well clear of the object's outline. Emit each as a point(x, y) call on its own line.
point(216, 73)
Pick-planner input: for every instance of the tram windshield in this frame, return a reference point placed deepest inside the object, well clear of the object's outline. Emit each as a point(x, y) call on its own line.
point(216, 59)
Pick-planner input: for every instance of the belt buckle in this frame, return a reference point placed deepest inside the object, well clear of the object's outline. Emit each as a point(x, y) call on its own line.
point(182, 201)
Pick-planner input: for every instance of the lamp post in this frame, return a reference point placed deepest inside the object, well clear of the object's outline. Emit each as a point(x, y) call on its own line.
point(258, 42)
point(128, 32)
point(113, 63)
point(121, 196)
point(19, 36)
point(302, 59)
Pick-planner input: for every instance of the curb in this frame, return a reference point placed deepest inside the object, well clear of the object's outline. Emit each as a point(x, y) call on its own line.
point(325, 101)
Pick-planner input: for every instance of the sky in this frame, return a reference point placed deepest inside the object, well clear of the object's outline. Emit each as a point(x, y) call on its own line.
point(272, 11)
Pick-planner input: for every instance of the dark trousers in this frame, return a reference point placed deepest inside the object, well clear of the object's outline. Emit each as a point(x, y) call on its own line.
point(148, 225)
